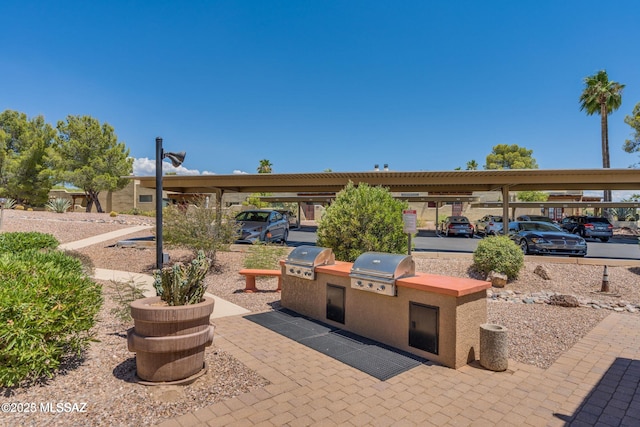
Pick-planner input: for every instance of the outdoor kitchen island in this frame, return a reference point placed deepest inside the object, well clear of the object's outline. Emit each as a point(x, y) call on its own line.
point(432, 316)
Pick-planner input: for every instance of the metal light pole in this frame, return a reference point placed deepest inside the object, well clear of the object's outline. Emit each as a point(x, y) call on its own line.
point(176, 160)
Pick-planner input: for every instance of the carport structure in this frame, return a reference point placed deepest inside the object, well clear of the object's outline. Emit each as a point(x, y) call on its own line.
point(439, 182)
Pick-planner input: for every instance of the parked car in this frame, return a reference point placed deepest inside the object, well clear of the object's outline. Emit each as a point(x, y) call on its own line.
point(542, 238)
point(588, 226)
point(489, 224)
point(291, 218)
point(540, 218)
point(457, 226)
point(262, 226)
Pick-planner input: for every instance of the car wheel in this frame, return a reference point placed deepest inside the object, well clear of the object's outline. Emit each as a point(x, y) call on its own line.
point(604, 239)
point(524, 246)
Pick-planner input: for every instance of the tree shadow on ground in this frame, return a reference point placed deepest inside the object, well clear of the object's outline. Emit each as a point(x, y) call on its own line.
point(615, 400)
point(69, 363)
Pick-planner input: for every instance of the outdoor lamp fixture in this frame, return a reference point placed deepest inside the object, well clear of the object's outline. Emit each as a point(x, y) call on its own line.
point(176, 160)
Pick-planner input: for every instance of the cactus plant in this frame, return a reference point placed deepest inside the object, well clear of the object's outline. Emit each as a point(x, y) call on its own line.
point(182, 284)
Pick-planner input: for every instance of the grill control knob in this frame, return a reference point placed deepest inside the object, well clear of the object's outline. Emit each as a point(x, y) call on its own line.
point(291, 270)
point(370, 285)
point(359, 283)
point(381, 288)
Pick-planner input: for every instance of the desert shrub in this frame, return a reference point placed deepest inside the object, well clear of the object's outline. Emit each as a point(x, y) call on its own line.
point(58, 205)
point(47, 309)
point(137, 211)
point(124, 293)
point(362, 219)
point(9, 203)
point(199, 228)
point(19, 207)
point(113, 214)
point(26, 240)
point(499, 254)
point(264, 256)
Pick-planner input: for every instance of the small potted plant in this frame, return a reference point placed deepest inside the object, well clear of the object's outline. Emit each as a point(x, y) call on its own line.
point(172, 329)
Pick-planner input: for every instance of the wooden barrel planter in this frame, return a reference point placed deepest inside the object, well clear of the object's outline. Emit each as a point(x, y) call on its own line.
point(169, 341)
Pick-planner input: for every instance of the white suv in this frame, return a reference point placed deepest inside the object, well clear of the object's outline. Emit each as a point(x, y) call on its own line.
point(489, 224)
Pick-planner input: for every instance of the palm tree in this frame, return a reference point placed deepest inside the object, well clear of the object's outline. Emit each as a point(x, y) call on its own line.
point(265, 166)
point(472, 165)
point(602, 96)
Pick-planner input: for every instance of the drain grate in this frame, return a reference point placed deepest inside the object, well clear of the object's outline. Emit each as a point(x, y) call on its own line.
point(371, 357)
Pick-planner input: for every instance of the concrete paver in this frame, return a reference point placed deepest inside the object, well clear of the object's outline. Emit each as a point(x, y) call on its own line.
point(432, 394)
point(597, 381)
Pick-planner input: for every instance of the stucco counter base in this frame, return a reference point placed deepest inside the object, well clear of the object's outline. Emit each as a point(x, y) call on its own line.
point(452, 308)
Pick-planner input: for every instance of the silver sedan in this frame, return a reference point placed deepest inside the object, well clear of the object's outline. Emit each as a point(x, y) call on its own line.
point(262, 226)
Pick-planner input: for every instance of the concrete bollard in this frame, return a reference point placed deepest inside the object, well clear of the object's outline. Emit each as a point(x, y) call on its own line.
point(494, 352)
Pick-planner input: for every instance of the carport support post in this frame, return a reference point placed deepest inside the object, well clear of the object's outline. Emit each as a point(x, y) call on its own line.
point(505, 210)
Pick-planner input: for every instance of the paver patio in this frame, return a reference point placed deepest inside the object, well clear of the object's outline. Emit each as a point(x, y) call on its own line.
point(596, 381)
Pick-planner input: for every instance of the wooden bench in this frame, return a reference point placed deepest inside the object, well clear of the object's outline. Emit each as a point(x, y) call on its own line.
point(251, 274)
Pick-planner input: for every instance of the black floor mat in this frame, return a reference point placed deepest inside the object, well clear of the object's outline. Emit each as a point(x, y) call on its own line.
point(374, 358)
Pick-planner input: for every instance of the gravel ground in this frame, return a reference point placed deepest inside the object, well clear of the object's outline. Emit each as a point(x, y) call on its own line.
point(104, 376)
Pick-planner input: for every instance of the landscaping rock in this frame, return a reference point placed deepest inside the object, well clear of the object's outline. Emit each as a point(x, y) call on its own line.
point(497, 280)
point(542, 272)
point(564, 300)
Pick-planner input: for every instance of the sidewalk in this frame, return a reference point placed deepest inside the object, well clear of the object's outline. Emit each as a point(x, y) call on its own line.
point(222, 308)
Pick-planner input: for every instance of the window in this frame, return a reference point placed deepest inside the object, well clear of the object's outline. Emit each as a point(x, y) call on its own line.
point(145, 198)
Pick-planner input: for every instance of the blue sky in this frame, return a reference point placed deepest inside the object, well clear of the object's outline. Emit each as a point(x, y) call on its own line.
point(315, 85)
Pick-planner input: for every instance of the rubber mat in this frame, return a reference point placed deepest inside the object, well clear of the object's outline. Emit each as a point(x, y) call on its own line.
point(369, 356)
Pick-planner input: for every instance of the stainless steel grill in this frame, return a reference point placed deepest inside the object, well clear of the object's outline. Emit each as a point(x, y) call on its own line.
point(303, 260)
point(377, 272)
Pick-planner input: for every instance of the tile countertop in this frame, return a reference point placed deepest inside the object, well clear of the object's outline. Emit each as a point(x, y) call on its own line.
point(447, 285)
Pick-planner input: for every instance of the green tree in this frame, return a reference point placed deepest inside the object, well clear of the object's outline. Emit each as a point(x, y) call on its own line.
point(24, 142)
point(533, 196)
point(601, 96)
point(265, 166)
point(89, 156)
point(362, 219)
point(633, 145)
point(472, 165)
point(511, 156)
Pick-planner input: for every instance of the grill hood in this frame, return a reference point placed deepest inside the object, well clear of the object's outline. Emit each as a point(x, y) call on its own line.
point(302, 261)
point(377, 272)
point(383, 266)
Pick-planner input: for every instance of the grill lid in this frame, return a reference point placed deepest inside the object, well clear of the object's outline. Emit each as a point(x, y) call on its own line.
point(311, 256)
point(383, 266)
